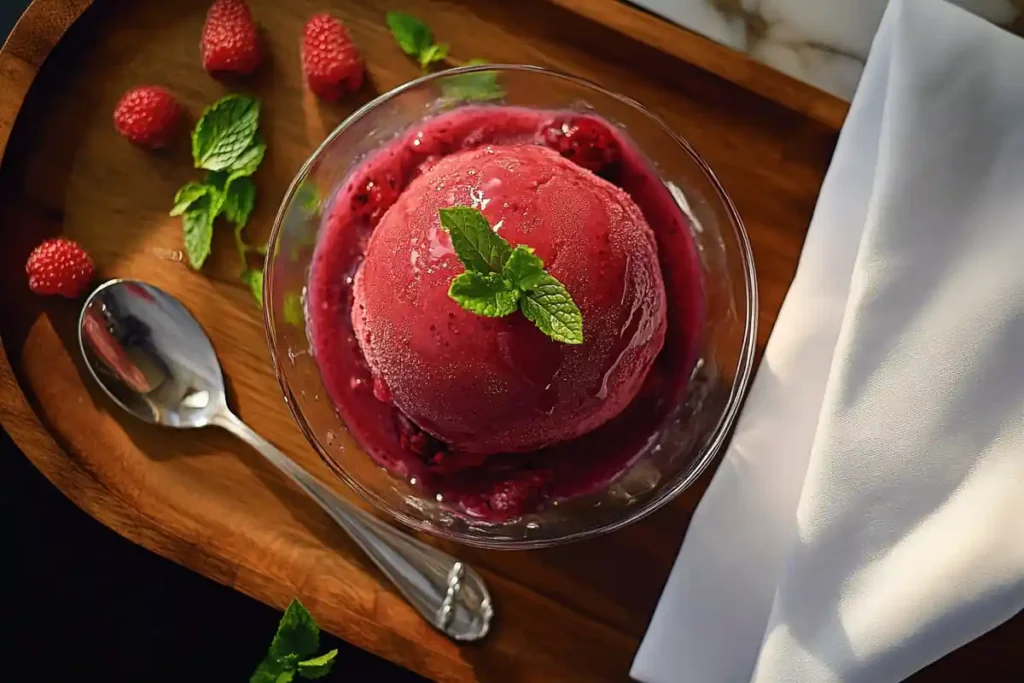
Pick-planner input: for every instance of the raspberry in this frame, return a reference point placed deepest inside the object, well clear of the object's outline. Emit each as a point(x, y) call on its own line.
point(374, 194)
point(330, 60)
point(147, 116)
point(59, 266)
point(415, 440)
point(230, 42)
point(585, 142)
point(518, 496)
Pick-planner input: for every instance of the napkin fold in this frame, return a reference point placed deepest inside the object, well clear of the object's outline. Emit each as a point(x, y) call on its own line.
point(868, 516)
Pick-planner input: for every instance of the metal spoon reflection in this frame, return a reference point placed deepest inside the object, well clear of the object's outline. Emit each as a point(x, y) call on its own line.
point(154, 360)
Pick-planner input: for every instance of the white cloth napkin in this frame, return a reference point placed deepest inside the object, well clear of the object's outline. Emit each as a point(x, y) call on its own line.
point(868, 517)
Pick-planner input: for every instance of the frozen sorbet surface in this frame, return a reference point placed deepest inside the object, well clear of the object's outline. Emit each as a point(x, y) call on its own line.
point(489, 385)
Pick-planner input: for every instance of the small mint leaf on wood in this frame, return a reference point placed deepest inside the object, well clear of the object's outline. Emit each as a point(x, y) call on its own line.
point(239, 200)
point(254, 279)
point(187, 195)
point(250, 159)
point(411, 34)
point(437, 52)
point(197, 225)
point(224, 132)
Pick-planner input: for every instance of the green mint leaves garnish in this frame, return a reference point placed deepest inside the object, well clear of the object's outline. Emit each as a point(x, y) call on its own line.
point(485, 295)
point(551, 309)
point(227, 144)
point(500, 280)
point(291, 651)
point(416, 39)
point(479, 248)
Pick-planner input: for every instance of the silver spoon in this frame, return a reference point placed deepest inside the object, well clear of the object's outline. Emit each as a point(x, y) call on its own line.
point(154, 360)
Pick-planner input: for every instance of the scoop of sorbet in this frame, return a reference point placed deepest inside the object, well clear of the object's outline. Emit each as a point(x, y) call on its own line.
point(489, 385)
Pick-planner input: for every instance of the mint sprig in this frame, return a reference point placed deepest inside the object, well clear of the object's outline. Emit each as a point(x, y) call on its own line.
point(225, 132)
point(478, 247)
point(485, 295)
point(479, 86)
point(291, 651)
point(416, 39)
point(227, 144)
point(500, 280)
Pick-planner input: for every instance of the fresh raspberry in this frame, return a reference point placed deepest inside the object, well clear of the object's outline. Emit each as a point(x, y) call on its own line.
point(148, 116)
point(230, 42)
point(330, 60)
point(59, 266)
point(585, 142)
point(374, 195)
point(415, 440)
point(518, 496)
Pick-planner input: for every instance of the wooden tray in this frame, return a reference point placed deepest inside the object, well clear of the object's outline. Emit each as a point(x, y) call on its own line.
point(713, 57)
point(568, 614)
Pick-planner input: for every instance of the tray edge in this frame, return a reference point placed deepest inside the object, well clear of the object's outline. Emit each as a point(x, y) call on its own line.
point(722, 61)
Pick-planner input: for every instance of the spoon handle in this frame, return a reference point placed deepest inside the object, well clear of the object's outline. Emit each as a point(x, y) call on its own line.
point(446, 592)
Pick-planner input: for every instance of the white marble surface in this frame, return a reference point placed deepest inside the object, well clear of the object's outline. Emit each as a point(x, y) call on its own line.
point(821, 42)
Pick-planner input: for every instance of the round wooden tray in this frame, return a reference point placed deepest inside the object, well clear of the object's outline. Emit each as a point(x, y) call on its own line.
point(206, 501)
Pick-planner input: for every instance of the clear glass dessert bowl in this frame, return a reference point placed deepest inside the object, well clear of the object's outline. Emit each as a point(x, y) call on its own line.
point(692, 421)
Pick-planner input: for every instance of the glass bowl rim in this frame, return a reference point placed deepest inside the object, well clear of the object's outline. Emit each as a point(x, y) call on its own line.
point(744, 367)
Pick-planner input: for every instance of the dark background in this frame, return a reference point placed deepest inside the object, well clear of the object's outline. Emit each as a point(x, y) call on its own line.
point(84, 604)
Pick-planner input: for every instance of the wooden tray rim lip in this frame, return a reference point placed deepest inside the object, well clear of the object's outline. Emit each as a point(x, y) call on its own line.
point(17, 415)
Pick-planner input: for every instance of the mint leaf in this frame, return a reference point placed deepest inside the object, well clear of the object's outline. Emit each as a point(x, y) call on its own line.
point(308, 197)
point(479, 86)
point(239, 200)
point(186, 196)
point(293, 313)
point(297, 634)
point(317, 667)
point(484, 294)
point(250, 159)
point(272, 670)
point(254, 278)
point(523, 270)
point(553, 311)
point(435, 53)
point(412, 35)
point(225, 132)
point(197, 224)
point(477, 246)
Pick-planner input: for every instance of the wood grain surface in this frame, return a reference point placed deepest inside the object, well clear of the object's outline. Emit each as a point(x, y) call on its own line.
point(574, 613)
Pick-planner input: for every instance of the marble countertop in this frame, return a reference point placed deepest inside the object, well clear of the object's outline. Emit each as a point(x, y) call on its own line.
point(821, 42)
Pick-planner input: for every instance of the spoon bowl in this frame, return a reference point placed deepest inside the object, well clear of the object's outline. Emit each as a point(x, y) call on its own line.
point(155, 361)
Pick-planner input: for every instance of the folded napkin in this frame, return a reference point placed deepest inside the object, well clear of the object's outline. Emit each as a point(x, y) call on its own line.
point(868, 517)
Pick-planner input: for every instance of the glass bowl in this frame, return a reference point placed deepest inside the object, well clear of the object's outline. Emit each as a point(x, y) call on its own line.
point(690, 437)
